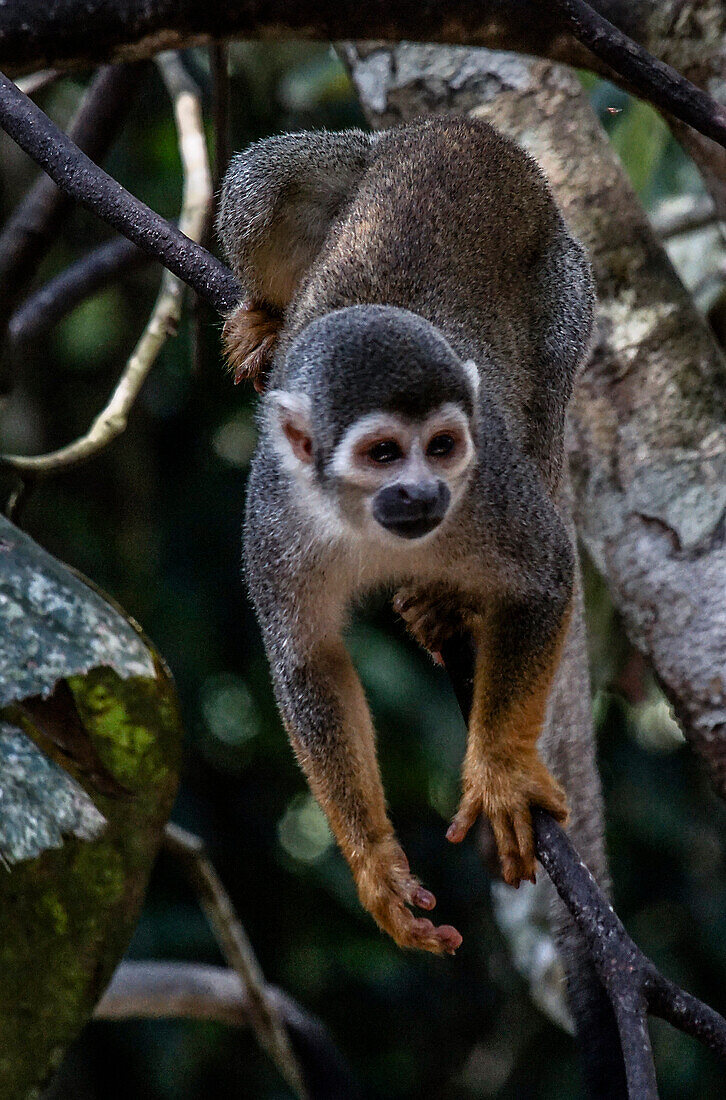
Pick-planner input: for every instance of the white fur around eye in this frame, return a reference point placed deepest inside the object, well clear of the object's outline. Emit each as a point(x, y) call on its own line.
point(374, 424)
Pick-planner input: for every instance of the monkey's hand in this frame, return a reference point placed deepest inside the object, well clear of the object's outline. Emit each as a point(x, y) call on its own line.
point(387, 888)
point(248, 337)
point(504, 787)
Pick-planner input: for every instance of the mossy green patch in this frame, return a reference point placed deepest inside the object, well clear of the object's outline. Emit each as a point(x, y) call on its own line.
point(68, 915)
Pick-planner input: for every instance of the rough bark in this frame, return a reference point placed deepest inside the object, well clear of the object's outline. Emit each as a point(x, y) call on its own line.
point(75, 861)
point(35, 34)
point(648, 444)
point(690, 35)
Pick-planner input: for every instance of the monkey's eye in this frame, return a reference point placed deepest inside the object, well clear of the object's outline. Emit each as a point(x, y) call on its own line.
point(387, 450)
point(441, 445)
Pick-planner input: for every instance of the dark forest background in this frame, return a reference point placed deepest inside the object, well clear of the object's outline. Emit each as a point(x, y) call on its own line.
point(155, 520)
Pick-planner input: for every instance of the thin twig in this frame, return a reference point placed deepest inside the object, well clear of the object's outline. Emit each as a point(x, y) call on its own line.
point(31, 227)
point(35, 82)
point(88, 184)
point(652, 79)
point(18, 498)
point(237, 950)
point(112, 420)
point(686, 214)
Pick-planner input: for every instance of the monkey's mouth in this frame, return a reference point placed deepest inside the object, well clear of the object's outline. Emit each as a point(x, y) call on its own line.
point(411, 511)
point(412, 528)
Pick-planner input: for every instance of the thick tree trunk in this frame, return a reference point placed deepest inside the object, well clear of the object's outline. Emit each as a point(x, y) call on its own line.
point(648, 446)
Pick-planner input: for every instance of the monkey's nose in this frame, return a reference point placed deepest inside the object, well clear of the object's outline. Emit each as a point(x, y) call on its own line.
point(411, 509)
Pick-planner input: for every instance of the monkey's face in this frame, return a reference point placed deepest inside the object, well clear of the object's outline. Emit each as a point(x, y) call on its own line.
point(403, 476)
point(389, 477)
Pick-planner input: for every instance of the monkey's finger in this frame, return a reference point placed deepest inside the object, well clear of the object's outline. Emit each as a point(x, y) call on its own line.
point(466, 815)
point(508, 847)
point(426, 935)
point(525, 841)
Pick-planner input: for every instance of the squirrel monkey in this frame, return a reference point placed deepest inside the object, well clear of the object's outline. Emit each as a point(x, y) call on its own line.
point(416, 314)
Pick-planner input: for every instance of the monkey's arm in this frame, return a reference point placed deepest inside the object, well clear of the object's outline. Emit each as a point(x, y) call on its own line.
point(328, 721)
point(518, 617)
point(518, 650)
point(519, 636)
point(326, 714)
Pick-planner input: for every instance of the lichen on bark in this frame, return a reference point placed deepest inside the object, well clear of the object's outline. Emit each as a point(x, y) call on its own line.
point(69, 912)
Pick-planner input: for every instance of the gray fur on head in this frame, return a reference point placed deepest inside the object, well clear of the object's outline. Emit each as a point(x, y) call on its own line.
point(364, 359)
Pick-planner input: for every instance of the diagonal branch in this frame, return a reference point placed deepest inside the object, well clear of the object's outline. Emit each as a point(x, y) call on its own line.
point(84, 181)
point(237, 949)
point(36, 34)
point(154, 990)
point(31, 227)
point(59, 296)
point(650, 78)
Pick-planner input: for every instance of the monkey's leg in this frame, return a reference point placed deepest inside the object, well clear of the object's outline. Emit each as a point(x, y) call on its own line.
point(518, 651)
point(331, 730)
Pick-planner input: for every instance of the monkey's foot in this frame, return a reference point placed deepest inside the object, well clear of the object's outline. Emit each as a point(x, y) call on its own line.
point(431, 617)
point(505, 794)
point(387, 888)
point(248, 339)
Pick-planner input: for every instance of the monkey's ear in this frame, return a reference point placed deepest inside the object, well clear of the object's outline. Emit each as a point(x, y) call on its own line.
point(291, 412)
point(472, 373)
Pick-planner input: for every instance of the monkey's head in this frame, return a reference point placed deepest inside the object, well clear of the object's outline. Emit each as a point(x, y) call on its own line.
point(378, 416)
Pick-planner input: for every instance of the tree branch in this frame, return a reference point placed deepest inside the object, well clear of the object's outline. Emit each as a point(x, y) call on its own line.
point(685, 214)
point(237, 949)
point(59, 296)
point(197, 193)
point(192, 991)
point(647, 76)
point(34, 34)
point(36, 82)
point(30, 229)
point(88, 184)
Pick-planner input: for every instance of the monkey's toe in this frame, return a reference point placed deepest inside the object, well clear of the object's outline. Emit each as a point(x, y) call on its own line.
point(515, 843)
point(466, 815)
point(505, 796)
